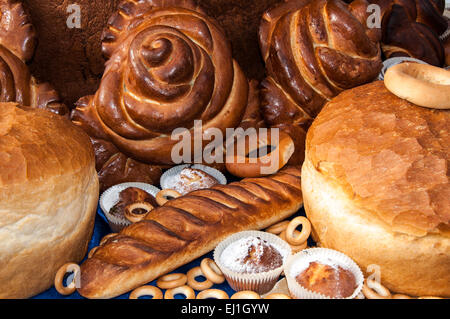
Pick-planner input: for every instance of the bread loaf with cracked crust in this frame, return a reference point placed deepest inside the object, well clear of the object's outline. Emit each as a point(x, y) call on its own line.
point(187, 228)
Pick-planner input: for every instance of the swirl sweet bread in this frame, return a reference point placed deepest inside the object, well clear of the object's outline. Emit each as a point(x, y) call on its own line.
point(168, 66)
point(313, 50)
point(17, 45)
point(412, 28)
point(186, 228)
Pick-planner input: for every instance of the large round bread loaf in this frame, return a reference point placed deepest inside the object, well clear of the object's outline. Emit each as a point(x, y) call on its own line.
point(48, 198)
point(376, 186)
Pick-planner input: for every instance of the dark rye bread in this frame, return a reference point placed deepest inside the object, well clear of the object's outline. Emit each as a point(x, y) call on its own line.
point(72, 61)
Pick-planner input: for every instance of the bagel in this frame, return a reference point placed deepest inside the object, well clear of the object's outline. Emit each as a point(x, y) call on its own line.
point(244, 164)
point(422, 84)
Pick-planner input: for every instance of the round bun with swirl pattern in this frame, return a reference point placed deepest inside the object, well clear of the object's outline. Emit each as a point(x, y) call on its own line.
point(169, 65)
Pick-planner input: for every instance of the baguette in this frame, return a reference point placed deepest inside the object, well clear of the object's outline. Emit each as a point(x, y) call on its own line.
point(186, 228)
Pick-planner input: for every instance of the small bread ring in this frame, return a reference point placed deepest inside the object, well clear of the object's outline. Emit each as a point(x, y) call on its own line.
point(401, 296)
point(171, 281)
point(242, 165)
point(374, 290)
point(187, 291)
point(105, 238)
point(148, 290)
point(420, 84)
point(294, 248)
point(301, 238)
point(71, 287)
point(277, 296)
point(278, 227)
point(212, 293)
point(161, 197)
point(211, 271)
point(198, 285)
point(246, 294)
point(137, 211)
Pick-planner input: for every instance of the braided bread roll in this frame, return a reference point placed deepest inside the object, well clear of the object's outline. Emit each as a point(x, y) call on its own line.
point(186, 228)
point(17, 45)
point(412, 28)
point(168, 66)
point(313, 50)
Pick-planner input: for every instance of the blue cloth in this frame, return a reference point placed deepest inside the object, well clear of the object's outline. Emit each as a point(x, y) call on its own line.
point(101, 228)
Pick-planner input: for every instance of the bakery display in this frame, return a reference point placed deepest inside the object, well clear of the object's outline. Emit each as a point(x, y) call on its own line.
point(186, 228)
point(420, 84)
point(17, 46)
point(313, 50)
point(412, 28)
point(376, 187)
point(48, 196)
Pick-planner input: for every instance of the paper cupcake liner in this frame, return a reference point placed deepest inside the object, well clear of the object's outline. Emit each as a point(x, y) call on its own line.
point(170, 173)
point(393, 61)
point(110, 197)
point(258, 282)
point(300, 261)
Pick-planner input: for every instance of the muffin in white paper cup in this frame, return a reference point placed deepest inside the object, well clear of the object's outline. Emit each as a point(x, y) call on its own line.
point(397, 60)
point(170, 178)
point(110, 197)
point(245, 276)
point(300, 262)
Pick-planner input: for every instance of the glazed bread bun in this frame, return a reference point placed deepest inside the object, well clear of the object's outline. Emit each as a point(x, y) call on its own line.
point(376, 187)
point(48, 198)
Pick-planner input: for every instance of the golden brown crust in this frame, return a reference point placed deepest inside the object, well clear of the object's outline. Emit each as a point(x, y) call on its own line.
point(313, 50)
point(186, 228)
point(48, 195)
point(169, 67)
point(17, 44)
point(390, 156)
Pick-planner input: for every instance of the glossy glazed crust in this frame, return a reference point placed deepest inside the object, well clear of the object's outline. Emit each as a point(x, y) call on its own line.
point(186, 228)
point(17, 45)
point(48, 198)
point(313, 50)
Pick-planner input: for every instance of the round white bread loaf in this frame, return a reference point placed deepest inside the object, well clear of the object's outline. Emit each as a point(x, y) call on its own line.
point(48, 198)
point(376, 187)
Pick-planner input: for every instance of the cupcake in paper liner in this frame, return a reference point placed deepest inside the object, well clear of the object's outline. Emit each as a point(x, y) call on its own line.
point(321, 273)
point(187, 178)
point(141, 193)
point(252, 260)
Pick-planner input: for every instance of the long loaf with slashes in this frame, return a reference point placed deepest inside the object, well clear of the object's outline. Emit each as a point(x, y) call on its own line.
point(187, 228)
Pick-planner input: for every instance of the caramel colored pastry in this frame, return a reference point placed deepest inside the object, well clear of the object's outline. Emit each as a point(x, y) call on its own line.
point(186, 228)
point(130, 196)
point(48, 198)
point(313, 50)
point(169, 65)
point(331, 281)
point(251, 255)
point(17, 45)
point(376, 187)
point(412, 28)
point(191, 179)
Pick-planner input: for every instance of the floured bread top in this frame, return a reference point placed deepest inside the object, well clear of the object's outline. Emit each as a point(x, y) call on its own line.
point(389, 156)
